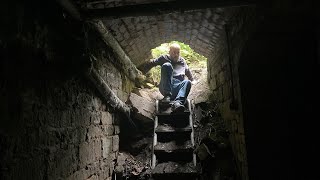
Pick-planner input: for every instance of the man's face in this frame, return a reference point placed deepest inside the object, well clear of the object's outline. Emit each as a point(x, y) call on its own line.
point(174, 53)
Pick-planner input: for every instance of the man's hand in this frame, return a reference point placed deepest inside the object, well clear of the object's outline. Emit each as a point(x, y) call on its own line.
point(144, 67)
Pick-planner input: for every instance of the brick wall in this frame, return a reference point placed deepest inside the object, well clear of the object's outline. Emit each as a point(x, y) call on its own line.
point(219, 78)
point(59, 131)
point(54, 124)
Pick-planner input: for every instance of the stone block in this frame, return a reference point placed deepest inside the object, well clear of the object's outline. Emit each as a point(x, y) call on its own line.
point(115, 143)
point(107, 130)
point(116, 130)
point(96, 103)
point(95, 118)
point(111, 167)
point(94, 132)
point(104, 169)
point(113, 156)
point(68, 162)
point(106, 118)
point(86, 153)
point(143, 109)
point(106, 144)
point(81, 135)
point(97, 149)
point(82, 117)
point(84, 99)
point(66, 118)
point(142, 93)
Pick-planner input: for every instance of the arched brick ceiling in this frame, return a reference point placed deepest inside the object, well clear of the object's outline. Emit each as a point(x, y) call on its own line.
point(138, 35)
point(201, 29)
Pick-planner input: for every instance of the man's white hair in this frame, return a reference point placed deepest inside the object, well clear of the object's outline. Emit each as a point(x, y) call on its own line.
point(174, 45)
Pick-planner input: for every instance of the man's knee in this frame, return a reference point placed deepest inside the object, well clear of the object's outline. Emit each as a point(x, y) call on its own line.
point(187, 82)
point(167, 66)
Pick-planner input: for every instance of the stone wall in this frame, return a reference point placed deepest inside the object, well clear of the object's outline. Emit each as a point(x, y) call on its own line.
point(221, 68)
point(54, 123)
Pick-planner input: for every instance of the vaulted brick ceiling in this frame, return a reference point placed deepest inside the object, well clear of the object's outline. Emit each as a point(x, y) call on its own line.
point(200, 28)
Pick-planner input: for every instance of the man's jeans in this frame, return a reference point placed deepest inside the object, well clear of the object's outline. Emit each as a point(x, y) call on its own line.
point(176, 89)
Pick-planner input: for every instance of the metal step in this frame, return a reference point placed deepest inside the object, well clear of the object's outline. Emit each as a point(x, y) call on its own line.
point(166, 133)
point(174, 156)
point(177, 120)
point(165, 128)
point(176, 114)
point(179, 137)
point(173, 143)
point(174, 169)
point(172, 146)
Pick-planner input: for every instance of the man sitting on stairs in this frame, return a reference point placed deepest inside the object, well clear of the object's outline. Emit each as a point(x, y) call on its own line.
point(173, 85)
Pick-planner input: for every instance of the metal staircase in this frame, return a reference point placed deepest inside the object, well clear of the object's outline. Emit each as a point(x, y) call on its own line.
point(173, 144)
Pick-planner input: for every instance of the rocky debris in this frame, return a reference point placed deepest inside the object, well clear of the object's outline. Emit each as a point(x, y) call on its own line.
point(150, 94)
point(203, 152)
point(213, 146)
point(133, 161)
point(208, 122)
point(141, 146)
point(151, 79)
point(131, 167)
point(142, 108)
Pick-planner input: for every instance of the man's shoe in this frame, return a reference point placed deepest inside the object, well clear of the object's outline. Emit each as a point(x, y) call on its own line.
point(166, 99)
point(178, 107)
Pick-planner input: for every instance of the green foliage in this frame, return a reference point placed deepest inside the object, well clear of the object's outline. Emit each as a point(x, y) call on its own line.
point(193, 59)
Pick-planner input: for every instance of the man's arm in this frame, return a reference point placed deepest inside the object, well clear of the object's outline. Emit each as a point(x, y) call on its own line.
point(187, 71)
point(145, 67)
point(189, 75)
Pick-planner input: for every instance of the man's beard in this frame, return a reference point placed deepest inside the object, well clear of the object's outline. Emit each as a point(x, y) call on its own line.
point(175, 58)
